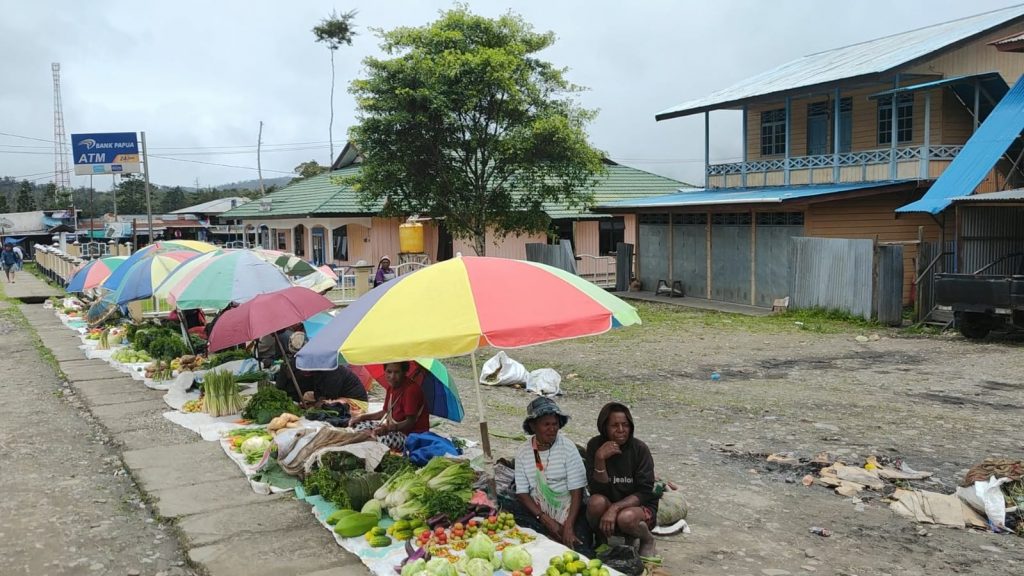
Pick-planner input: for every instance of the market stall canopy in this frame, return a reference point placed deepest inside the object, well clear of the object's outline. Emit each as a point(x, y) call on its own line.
point(454, 307)
point(146, 274)
point(235, 276)
point(266, 314)
point(113, 282)
point(92, 273)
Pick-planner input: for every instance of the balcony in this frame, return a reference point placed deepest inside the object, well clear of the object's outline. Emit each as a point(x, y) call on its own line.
point(863, 166)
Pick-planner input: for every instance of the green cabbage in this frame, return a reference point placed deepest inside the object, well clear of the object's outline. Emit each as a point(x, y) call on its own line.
point(515, 558)
point(440, 567)
point(479, 567)
point(480, 547)
point(414, 567)
point(253, 448)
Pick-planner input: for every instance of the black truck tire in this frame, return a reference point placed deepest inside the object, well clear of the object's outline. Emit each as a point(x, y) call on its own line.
point(974, 325)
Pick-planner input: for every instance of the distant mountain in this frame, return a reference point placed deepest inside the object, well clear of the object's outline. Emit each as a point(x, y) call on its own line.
point(255, 184)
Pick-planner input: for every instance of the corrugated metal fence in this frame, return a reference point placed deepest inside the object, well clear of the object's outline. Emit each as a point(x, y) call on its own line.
point(852, 276)
point(559, 256)
point(932, 258)
point(830, 273)
point(991, 234)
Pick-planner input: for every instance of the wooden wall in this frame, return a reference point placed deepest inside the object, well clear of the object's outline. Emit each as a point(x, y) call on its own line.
point(873, 217)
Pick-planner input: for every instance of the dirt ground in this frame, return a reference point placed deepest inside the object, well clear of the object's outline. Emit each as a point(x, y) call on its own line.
point(69, 506)
point(939, 402)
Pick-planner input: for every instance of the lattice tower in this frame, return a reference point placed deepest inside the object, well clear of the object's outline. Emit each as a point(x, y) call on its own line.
point(61, 167)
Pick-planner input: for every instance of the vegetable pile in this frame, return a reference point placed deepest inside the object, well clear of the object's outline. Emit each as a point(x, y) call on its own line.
point(268, 403)
point(220, 393)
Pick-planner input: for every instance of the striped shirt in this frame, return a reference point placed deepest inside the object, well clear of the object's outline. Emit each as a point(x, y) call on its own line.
point(563, 472)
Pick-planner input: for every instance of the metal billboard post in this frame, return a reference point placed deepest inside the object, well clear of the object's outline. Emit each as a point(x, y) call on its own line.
point(145, 173)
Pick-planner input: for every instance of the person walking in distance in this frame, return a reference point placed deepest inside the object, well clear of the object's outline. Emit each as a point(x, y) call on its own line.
point(9, 260)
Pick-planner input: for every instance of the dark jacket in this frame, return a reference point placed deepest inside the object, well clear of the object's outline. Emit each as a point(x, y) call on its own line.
point(629, 473)
point(325, 385)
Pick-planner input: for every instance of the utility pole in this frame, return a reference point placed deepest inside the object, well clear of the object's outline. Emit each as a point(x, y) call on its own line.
point(145, 172)
point(259, 165)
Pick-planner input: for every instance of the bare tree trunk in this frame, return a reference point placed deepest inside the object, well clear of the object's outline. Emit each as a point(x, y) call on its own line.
point(480, 244)
point(330, 126)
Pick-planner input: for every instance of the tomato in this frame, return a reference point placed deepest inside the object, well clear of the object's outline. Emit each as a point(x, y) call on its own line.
point(458, 526)
point(492, 519)
point(473, 522)
point(528, 570)
point(439, 530)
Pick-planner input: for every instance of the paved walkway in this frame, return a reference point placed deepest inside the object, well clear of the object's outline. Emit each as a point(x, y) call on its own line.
point(699, 303)
point(225, 527)
point(27, 287)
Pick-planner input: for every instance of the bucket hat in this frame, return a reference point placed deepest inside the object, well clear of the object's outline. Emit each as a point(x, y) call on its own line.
point(542, 406)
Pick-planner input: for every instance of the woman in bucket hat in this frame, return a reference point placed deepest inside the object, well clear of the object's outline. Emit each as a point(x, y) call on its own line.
point(551, 478)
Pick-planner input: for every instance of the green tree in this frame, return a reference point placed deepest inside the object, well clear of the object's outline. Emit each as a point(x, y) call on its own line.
point(131, 195)
point(173, 199)
point(5, 206)
point(334, 31)
point(25, 201)
point(466, 123)
point(308, 170)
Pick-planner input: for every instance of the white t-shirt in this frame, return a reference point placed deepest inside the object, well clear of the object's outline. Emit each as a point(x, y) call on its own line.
point(563, 472)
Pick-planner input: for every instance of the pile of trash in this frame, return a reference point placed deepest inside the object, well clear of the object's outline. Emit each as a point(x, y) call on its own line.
point(988, 498)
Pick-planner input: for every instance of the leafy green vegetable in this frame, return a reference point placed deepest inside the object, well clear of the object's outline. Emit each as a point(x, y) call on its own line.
point(479, 567)
point(254, 448)
point(450, 503)
point(515, 558)
point(268, 403)
point(393, 464)
point(480, 547)
point(457, 477)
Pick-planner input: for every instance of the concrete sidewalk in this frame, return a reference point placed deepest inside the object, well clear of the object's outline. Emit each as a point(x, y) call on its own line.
point(28, 288)
point(225, 528)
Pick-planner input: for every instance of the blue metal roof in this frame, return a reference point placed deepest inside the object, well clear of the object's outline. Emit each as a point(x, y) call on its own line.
point(991, 87)
point(978, 156)
point(866, 58)
point(764, 195)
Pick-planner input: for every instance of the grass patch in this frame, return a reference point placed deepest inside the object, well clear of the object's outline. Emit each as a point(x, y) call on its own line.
point(818, 320)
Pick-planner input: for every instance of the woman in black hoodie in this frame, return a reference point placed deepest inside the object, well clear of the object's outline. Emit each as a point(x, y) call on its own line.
point(620, 472)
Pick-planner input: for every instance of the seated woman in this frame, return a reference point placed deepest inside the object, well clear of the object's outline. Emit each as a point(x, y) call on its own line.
point(384, 272)
point(319, 386)
point(551, 478)
point(621, 480)
point(404, 410)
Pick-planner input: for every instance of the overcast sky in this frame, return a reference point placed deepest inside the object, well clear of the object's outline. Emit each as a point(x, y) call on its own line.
point(198, 77)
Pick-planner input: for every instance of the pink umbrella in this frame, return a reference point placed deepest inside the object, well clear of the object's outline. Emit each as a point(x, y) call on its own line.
point(265, 314)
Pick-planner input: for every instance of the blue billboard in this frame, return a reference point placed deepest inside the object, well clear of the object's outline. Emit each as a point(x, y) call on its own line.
point(106, 153)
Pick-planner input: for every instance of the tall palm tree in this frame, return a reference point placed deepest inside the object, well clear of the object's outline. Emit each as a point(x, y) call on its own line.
point(335, 30)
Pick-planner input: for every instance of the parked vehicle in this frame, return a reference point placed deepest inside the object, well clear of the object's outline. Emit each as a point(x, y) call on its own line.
point(982, 303)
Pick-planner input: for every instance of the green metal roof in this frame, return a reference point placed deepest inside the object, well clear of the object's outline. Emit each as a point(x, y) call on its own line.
point(320, 195)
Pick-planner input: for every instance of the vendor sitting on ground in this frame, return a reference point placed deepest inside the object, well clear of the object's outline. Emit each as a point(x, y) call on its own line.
point(551, 479)
point(318, 387)
point(621, 480)
point(404, 410)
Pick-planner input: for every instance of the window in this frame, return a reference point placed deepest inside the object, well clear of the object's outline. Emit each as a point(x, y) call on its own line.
point(611, 231)
point(845, 125)
point(300, 240)
point(780, 218)
point(773, 132)
point(904, 119)
point(282, 242)
point(731, 219)
point(817, 128)
point(820, 128)
point(561, 230)
point(340, 235)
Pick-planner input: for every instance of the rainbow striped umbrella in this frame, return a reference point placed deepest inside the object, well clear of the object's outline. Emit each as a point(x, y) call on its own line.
point(146, 274)
point(113, 282)
point(440, 396)
point(92, 273)
point(454, 307)
point(235, 276)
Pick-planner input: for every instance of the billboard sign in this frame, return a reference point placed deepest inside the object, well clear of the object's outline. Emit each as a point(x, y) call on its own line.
point(106, 153)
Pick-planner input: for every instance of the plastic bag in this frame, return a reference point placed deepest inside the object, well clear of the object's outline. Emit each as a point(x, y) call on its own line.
point(624, 559)
point(501, 370)
point(544, 381)
point(987, 496)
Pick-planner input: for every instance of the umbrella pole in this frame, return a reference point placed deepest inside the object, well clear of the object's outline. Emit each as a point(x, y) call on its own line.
point(288, 366)
point(485, 437)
